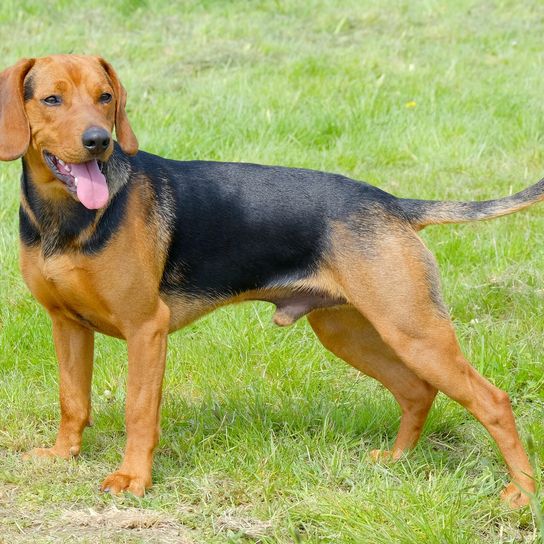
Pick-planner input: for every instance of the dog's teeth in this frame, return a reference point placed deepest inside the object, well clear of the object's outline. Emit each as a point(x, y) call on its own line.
point(62, 162)
point(75, 181)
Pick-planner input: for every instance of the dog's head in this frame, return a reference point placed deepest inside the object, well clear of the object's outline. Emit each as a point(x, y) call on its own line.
point(59, 112)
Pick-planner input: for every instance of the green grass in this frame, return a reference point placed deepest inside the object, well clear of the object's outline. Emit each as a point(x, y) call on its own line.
point(265, 435)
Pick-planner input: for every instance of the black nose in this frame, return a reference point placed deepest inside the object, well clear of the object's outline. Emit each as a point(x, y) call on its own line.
point(96, 140)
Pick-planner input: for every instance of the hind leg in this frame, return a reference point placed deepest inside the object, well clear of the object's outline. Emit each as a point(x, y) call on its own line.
point(347, 334)
point(398, 292)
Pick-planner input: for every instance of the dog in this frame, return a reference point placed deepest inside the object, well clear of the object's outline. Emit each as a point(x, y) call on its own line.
point(135, 246)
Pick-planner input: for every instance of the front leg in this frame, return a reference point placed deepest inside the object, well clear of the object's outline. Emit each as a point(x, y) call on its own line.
point(74, 345)
point(146, 359)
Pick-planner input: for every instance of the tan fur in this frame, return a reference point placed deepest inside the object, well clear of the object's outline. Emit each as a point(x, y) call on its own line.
point(14, 126)
point(391, 326)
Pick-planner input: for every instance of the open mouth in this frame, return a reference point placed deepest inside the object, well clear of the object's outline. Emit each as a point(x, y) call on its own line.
point(84, 180)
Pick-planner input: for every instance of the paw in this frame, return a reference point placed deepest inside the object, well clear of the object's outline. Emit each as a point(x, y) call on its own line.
point(64, 453)
point(117, 482)
point(384, 456)
point(514, 497)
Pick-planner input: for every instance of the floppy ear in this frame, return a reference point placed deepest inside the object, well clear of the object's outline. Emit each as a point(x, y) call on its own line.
point(125, 136)
point(14, 127)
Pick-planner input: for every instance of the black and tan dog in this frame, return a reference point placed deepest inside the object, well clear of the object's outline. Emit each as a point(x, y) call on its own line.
point(137, 246)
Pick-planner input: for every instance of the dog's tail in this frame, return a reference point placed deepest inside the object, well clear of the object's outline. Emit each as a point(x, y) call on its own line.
point(421, 213)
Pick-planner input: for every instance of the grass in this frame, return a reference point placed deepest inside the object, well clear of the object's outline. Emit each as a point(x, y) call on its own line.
point(265, 435)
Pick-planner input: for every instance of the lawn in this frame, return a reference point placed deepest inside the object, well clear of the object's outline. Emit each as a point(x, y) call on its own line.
point(265, 434)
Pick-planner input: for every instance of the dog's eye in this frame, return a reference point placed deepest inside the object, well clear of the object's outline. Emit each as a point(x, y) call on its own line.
point(105, 98)
point(52, 100)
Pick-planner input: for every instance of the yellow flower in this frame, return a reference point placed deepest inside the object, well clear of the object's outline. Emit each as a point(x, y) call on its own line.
point(411, 104)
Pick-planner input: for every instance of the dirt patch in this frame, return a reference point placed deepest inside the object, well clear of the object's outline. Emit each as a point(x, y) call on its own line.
point(129, 518)
point(109, 525)
point(237, 521)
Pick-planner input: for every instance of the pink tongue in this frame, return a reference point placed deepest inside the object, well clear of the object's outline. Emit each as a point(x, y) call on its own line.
point(92, 189)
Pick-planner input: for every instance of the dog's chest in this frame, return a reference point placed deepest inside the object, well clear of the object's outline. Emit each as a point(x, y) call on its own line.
point(64, 284)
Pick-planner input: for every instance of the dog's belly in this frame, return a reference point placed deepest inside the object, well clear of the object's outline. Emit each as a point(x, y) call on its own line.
point(291, 304)
point(287, 312)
